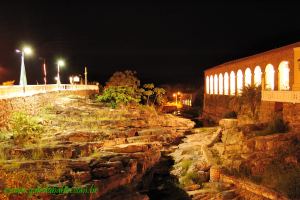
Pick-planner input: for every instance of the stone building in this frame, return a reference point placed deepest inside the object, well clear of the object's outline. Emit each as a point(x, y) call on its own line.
point(278, 73)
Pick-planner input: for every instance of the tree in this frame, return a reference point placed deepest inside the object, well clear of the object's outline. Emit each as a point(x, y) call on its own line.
point(124, 79)
point(149, 91)
point(116, 95)
point(251, 97)
point(159, 92)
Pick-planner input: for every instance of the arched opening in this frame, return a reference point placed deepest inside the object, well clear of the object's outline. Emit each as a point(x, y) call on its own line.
point(239, 83)
point(216, 84)
point(232, 83)
point(257, 76)
point(248, 77)
point(220, 83)
point(207, 85)
point(269, 77)
point(211, 84)
point(284, 75)
point(226, 85)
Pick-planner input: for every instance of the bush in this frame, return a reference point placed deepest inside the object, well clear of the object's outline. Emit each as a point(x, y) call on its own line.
point(250, 100)
point(24, 127)
point(116, 95)
point(230, 115)
point(277, 125)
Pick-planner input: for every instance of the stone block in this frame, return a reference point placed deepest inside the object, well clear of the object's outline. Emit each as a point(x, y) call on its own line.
point(228, 123)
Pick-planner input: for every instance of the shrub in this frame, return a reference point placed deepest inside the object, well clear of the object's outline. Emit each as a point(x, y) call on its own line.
point(116, 95)
point(250, 99)
point(24, 127)
point(277, 125)
point(230, 115)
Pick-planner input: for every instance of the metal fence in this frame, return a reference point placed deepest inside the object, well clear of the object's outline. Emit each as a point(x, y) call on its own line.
point(28, 90)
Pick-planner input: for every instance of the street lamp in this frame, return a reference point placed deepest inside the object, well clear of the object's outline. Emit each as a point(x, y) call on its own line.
point(176, 95)
point(60, 63)
point(23, 52)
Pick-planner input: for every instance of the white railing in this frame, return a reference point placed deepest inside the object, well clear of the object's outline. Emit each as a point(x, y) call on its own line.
point(28, 90)
point(281, 96)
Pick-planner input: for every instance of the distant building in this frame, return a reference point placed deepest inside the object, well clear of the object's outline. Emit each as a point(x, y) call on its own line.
point(277, 71)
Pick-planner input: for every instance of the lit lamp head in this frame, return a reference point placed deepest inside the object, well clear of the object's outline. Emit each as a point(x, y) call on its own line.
point(60, 62)
point(174, 95)
point(27, 50)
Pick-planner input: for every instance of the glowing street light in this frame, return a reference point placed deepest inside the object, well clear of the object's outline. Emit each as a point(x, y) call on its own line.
point(60, 63)
point(23, 52)
point(176, 95)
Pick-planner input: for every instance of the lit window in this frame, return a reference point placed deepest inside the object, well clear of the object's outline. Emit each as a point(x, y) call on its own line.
point(226, 86)
point(220, 83)
point(269, 77)
point(257, 76)
point(211, 84)
point(239, 83)
point(248, 77)
point(207, 85)
point(216, 84)
point(284, 76)
point(232, 83)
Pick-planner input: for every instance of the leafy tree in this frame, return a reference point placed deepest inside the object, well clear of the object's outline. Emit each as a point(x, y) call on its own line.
point(159, 92)
point(124, 79)
point(149, 91)
point(251, 97)
point(116, 95)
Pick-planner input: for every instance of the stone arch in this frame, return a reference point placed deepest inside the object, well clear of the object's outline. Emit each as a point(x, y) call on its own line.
point(239, 82)
point(216, 84)
point(284, 76)
point(207, 85)
point(232, 83)
point(248, 77)
point(226, 84)
point(221, 83)
point(269, 77)
point(257, 76)
point(211, 84)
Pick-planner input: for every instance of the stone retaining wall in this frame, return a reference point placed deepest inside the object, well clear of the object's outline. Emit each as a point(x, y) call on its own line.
point(216, 106)
point(258, 190)
point(32, 104)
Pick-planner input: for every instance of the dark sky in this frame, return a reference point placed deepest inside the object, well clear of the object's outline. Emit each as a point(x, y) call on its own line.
point(164, 43)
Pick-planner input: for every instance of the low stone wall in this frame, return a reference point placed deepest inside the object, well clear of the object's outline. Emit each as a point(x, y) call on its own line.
point(215, 106)
point(291, 116)
point(32, 104)
point(258, 190)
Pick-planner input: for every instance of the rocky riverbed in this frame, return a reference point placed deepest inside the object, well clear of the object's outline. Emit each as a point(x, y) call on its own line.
point(91, 151)
point(82, 144)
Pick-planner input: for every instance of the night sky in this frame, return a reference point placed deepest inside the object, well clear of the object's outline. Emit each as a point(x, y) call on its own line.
point(164, 43)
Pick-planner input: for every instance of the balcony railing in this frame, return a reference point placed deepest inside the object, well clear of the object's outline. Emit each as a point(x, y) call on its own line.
point(281, 96)
point(28, 90)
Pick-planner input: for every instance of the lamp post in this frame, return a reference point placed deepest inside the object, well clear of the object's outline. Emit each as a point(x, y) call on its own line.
point(23, 78)
point(60, 63)
point(176, 95)
point(85, 75)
